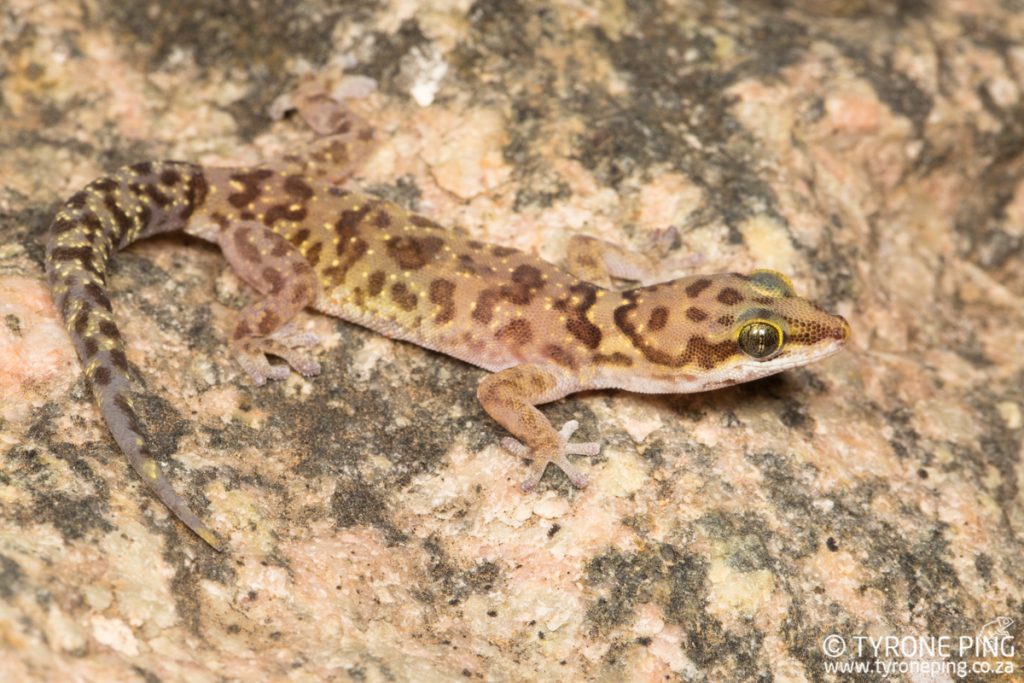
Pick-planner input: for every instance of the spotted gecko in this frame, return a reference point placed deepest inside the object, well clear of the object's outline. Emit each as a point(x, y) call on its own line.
point(301, 242)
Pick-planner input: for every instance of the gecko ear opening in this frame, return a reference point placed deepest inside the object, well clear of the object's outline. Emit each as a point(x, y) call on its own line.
point(771, 283)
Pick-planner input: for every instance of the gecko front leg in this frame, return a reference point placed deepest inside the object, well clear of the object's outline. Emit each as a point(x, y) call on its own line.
point(510, 397)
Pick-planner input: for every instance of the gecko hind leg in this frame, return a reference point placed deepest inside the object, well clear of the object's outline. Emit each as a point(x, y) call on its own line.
point(510, 397)
point(278, 271)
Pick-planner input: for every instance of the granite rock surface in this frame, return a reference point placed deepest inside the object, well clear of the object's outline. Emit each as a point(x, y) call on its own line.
point(872, 150)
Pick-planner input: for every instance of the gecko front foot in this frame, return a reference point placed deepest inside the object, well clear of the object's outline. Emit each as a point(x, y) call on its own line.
point(558, 456)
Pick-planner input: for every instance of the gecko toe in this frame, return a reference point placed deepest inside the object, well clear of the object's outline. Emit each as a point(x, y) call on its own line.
point(558, 457)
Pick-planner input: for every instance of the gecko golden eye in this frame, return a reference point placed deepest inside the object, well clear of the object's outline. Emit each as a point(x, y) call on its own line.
point(760, 340)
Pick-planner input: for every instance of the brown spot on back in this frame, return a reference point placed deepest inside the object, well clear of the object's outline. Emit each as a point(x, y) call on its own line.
point(250, 192)
point(577, 322)
point(91, 347)
point(695, 314)
point(526, 281)
point(285, 212)
point(412, 253)
point(442, 293)
point(382, 219)
point(502, 252)
point(694, 289)
point(729, 296)
point(350, 220)
point(350, 249)
point(465, 265)
point(313, 253)
point(401, 295)
point(375, 283)
point(516, 332)
point(725, 320)
point(143, 168)
point(485, 303)
point(298, 188)
point(298, 237)
point(658, 319)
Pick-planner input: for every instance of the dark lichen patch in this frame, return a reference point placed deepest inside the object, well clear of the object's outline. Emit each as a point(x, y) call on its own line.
point(794, 415)
point(627, 580)
point(893, 87)
point(450, 583)
point(387, 54)
point(502, 32)
point(984, 564)
point(362, 416)
point(13, 324)
point(10, 577)
point(358, 503)
point(743, 537)
point(405, 192)
point(246, 36)
point(641, 129)
point(75, 518)
point(678, 582)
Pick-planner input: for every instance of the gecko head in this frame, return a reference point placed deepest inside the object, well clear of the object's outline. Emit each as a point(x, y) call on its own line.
point(704, 332)
point(771, 327)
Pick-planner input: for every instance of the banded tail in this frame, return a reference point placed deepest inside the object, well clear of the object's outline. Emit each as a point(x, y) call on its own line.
point(135, 202)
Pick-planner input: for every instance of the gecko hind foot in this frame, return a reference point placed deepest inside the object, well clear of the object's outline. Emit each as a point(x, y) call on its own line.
point(541, 460)
point(252, 356)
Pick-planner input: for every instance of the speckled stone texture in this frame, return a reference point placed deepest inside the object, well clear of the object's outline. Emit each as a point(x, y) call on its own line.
point(873, 150)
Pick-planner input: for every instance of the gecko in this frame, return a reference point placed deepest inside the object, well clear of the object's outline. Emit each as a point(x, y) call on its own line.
point(301, 241)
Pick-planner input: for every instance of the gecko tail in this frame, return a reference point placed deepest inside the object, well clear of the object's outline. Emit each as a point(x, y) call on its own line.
point(111, 213)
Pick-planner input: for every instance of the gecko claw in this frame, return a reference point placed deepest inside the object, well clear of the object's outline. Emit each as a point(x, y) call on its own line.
point(558, 458)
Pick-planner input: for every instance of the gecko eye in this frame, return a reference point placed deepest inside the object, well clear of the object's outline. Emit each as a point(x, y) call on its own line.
point(760, 340)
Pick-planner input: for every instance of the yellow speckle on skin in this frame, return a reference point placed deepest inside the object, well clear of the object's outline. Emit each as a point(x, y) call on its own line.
point(150, 470)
